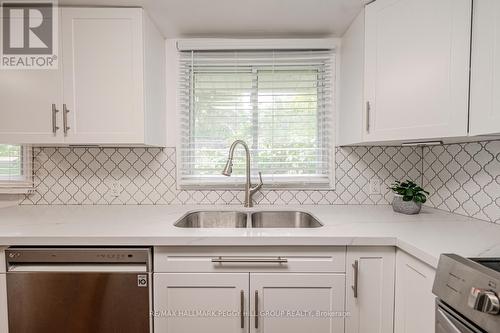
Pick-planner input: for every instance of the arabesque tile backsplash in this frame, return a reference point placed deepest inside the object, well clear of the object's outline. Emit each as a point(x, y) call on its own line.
point(85, 176)
point(462, 178)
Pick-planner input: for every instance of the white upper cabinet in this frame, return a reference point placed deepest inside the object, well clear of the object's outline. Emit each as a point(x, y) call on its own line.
point(102, 62)
point(109, 89)
point(485, 70)
point(351, 84)
point(29, 101)
point(111, 93)
point(417, 69)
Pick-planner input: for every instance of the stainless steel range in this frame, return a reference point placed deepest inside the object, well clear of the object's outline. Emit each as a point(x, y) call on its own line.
point(468, 295)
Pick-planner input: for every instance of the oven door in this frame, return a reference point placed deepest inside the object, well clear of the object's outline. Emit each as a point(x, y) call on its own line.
point(449, 321)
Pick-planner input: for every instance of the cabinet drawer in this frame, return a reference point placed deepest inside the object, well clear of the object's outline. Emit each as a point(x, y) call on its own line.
point(249, 259)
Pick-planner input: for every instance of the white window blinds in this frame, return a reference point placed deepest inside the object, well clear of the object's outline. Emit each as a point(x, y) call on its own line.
point(279, 102)
point(15, 169)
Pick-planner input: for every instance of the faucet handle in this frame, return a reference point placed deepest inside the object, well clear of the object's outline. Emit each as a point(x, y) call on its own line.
point(259, 186)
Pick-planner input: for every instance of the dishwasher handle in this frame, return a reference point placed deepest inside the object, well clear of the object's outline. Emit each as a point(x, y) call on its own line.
point(102, 268)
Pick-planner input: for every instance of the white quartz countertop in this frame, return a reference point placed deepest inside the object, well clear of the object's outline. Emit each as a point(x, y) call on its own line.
point(425, 236)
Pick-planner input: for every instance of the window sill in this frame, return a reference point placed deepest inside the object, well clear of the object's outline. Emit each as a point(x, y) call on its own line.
point(16, 190)
point(266, 187)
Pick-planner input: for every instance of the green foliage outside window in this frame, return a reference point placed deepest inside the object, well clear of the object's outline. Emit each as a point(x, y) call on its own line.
point(10, 160)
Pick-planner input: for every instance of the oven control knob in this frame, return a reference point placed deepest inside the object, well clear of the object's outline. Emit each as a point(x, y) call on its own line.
point(484, 301)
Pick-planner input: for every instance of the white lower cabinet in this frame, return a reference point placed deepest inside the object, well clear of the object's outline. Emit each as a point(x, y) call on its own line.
point(4, 321)
point(297, 303)
point(200, 302)
point(414, 311)
point(370, 289)
point(243, 302)
point(276, 290)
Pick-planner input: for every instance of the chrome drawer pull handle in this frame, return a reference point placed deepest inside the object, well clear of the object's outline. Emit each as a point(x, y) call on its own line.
point(278, 260)
point(256, 309)
point(242, 308)
point(355, 266)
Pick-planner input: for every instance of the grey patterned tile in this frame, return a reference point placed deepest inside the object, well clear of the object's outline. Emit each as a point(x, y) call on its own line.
point(464, 178)
point(85, 176)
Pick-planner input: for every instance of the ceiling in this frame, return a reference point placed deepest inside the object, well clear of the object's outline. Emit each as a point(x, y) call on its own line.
point(244, 18)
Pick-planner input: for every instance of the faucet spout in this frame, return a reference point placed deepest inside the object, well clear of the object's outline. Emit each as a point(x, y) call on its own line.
point(228, 169)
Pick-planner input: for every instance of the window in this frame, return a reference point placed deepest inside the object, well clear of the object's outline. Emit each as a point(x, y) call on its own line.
point(279, 102)
point(15, 169)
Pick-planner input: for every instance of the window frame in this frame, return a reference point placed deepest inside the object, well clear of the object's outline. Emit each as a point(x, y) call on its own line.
point(24, 183)
point(173, 53)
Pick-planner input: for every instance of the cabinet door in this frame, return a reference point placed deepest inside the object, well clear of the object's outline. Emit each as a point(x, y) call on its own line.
point(415, 303)
point(26, 105)
point(4, 320)
point(417, 57)
point(103, 80)
point(370, 289)
point(297, 303)
point(485, 69)
point(200, 302)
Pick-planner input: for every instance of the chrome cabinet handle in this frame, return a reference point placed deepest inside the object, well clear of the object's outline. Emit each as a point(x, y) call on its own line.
point(54, 119)
point(65, 119)
point(242, 308)
point(278, 260)
point(368, 109)
point(355, 266)
point(256, 309)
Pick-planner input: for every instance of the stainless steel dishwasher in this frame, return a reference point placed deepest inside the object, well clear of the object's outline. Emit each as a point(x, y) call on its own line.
point(79, 290)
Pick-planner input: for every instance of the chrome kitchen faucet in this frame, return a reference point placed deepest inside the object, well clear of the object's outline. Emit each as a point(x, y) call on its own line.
point(228, 170)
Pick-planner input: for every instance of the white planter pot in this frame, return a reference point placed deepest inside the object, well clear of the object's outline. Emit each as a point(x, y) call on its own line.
point(405, 207)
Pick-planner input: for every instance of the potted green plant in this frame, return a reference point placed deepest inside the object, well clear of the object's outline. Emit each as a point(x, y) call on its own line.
point(408, 198)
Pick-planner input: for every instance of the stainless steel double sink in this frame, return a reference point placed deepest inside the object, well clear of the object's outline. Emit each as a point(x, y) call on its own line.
point(257, 219)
